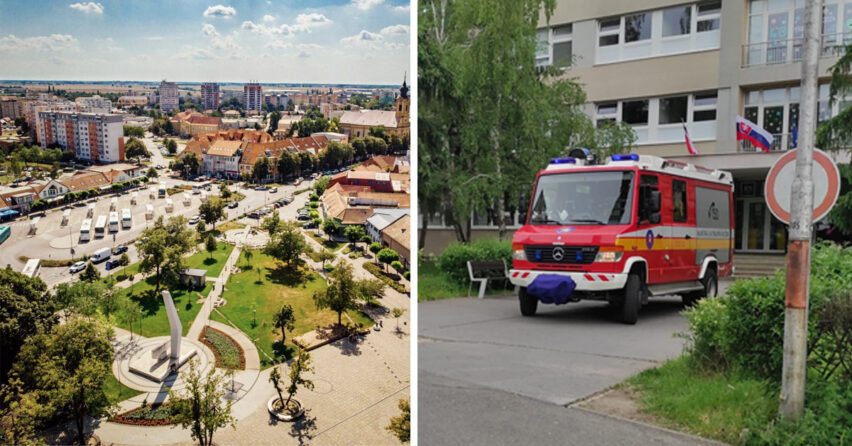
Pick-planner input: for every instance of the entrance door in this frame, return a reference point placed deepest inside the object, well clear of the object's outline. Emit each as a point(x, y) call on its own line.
point(757, 229)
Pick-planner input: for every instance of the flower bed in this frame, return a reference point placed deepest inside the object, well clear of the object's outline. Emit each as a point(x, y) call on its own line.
point(376, 270)
point(150, 415)
point(228, 353)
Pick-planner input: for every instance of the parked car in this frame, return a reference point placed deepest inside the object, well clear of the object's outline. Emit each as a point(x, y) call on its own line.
point(77, 267)
point(274, 190)
point(254, 215)
point(111, 264)
point(194, 220)
point(233, 205)
point(261, 188)
point(303, 217)
point(119, 250)
point(308, 225)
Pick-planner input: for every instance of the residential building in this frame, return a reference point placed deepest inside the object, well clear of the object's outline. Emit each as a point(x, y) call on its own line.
point(86, 180)
point(357, 124)
point(381, 219)
point(169, 97)
point(10, 108)
point(210, 95)
point(252, 152)
point(253, 97)
point(353, 205)
point(376, 181)
point(397, 236)
point(44, 102)
point(20, 199)
point(133, 101)
point(659, 65)
point(222, 159)
point(190, 123)
point(96, 138)
point(93, 104)
point(139, 121)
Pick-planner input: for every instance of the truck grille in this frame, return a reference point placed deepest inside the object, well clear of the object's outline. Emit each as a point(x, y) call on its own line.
point(570, 254)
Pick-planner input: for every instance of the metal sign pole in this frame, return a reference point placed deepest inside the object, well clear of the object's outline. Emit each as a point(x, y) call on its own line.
point(792, 400)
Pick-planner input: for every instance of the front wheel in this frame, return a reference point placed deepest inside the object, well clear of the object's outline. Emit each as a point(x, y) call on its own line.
point(528, 303)
point(633, 290)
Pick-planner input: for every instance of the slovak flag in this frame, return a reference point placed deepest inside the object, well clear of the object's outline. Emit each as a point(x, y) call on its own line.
point(757, 136)
point(689, 146)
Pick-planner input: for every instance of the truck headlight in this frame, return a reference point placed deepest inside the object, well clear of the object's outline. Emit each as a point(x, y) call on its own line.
point(518, 252)
point(609, 254)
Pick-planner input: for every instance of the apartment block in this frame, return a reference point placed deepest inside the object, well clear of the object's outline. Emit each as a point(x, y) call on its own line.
point(96, 138)
point(658, 65)
point(210, 95)
point(10, 108)
point(169, 97)
point(253, 97)
point(93, 104)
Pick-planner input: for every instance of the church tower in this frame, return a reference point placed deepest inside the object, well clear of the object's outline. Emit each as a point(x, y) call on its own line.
point(401, 106)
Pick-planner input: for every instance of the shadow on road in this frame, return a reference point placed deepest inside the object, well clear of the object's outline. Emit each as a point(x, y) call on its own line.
point(602, 311)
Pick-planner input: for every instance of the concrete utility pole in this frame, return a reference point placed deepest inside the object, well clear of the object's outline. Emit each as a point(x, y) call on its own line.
point(801, 220)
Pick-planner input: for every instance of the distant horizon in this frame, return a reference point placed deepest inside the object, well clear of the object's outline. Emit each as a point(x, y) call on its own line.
point(180, 83)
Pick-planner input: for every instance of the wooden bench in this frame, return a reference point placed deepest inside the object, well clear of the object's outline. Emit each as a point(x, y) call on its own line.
point(484, 270)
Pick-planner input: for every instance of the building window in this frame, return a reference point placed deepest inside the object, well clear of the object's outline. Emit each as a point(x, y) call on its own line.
point(677, 21)
point(679, 201)
point(635, 112)
point(661, 120)
point(673, 109)
point(709, 15)
point(554, 46)
point(609, 31)
point(777, 111)
point(637, 27)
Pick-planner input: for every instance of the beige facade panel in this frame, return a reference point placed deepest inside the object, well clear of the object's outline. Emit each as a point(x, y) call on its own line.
point(678, 149)
point(649, 77)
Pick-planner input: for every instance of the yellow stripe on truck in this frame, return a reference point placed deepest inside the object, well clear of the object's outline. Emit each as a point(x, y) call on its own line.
point(667, 243)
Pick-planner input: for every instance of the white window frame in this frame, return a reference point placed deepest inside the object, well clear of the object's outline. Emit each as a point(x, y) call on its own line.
point(545, 58)
point(653, 128)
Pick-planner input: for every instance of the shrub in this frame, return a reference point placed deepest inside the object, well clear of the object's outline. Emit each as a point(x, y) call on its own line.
point(314, 205)
point(375, 270)
point(329, 267)
point(407, 275)
point(397, 265)
point(708, 343)
point(314, 197)
point(453, 260)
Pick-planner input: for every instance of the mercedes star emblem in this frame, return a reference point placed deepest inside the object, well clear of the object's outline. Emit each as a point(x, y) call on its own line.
point(558, 253)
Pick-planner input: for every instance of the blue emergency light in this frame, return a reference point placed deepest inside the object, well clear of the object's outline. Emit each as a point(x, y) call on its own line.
point(563, 161)
point(630, 157)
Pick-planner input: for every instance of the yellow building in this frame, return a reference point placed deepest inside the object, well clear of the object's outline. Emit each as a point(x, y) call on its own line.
point(356, 124)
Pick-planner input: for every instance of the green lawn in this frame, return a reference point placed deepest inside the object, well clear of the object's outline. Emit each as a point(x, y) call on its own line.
point(117, 392)
point(323, 240)
point(155, 322)
point(276, 286)
point(434, 284)
point(214, 264)
point(712, 405)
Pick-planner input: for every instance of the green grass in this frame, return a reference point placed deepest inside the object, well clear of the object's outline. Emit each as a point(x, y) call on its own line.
point(214, 264)
point(117, 392)
point(712, 405)
point(228, 226)
point(276, 286)
point(324, 241)
point(434, 284)
point(154, 320)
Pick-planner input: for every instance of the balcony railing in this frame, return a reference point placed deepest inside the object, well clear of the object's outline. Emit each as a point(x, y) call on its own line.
point(786, 51)
point(780, 143)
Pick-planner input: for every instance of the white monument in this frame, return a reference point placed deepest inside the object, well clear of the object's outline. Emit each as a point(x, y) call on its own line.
point(162, 362)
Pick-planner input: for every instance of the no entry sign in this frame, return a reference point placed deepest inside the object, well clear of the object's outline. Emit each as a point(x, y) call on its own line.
point(779, 182)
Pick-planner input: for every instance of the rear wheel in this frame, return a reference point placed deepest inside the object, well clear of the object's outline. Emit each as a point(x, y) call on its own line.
point(711, 289)
point(528, 303)
point(633, 290)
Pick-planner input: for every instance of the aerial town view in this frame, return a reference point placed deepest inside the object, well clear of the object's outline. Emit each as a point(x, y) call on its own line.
point(205, 223)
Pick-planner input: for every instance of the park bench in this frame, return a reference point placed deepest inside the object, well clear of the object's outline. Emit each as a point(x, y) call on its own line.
point(484, 270)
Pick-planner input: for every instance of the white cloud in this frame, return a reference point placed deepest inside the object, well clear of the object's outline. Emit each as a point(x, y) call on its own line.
point(366, 4)
point(304, 54)
point(209, 30)
point(53, 42)
point(363, 39)
point(88, 8)
point(226, 43)
point(278, 45)
point(195, 53)
point(268, 18)
point(283, 30)
point(403, 8)
point(395, 30)
point(304, 22)
point(220, 11)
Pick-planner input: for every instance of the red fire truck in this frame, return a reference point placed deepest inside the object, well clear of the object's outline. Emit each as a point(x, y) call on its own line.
point(635, 227)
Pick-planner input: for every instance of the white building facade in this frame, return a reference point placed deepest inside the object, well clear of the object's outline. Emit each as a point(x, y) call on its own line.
point(97, 138)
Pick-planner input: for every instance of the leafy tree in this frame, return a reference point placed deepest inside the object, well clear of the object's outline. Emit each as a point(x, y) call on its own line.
point(25, 309)
point(188, 163)
point(397, 266)
point(397, 313)
point(330, 226)
point(274, 117)
point(288, 164)
point(134, 148)
point(201, 227)
point(225, 192)
point(90, 274)
point(835, 135)
point(354, 233)
point(380, 131)
point(210, 244)
point(375, 247)
point(325, 255)
point(171, 145)
point(387, 256)
point(201, 406)
point(66, 368)
point(21, 417)
point(400, 426)
point(131, 312)
point(306, 161)
point(375, 146)
point(287, 244)
point(162, 247)
point(284, 320)
point(212, 210)
point(260, 170)
point(321, 184)
point(341, 293)
point(247, 254)
point(360, 147)
point(132, 130)
point(371, 289)
point(298, 368)
point(124, 260)
point(152, 172)
point(272, 223)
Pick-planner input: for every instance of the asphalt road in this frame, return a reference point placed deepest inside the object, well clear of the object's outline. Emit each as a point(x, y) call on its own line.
point(488, 375)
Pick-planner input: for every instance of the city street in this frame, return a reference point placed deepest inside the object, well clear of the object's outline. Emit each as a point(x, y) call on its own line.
point(488, 375)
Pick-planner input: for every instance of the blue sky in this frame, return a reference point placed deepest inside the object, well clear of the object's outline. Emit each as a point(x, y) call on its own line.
point(319, 41)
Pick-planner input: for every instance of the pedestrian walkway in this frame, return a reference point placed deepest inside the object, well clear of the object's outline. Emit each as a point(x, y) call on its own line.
point(216, 293)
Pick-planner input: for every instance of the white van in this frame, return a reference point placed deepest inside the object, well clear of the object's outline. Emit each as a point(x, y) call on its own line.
point(100, 255)
point(170, 205)
point(126, 218)
point(113, 221)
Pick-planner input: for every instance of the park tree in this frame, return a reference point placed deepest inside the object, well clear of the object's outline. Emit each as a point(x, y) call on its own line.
point(330, 226)
point(397, 313)
point(359, 146)
point(479, 86)
point(375, 247)
point(134, 131)
point(201, 406)
point(224, 191)
point(212, 210)
point(201, 227)
point(371, 290)
point(284, 320)
point(354, 233)
point(400, 426)
point(274, 117)
point(298, 368)
point(66, 368)
point(90, 274)
point(131, 312)
point(380, 131)
point(163, 246)
point(260, 170)
point(210, 244)
point(321, 184)
point(247, 254)
point(397, 266)
point(20, 417)
point(366, 240)
point(171, 145)
point(306, 161)
point(387, 256)
point(341, 293)
point(325, 255)
point(288, 164)
point(152, 172)
point(25, 309)
point(272, 224)
point(134, 148)
point(375, 146)
point(287, 244)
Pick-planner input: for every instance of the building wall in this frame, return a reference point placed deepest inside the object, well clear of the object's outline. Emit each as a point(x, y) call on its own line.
point(169, 98)
point(92, 137)
point(210, 95)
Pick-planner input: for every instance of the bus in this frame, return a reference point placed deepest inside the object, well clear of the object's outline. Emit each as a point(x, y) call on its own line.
point(85, 230)
point(113, 221)
point(112, 203)
point(5, 232)
point(149, 211)
point(126, 218)
point(170, 205)
point(100, 226)
point(31, 268)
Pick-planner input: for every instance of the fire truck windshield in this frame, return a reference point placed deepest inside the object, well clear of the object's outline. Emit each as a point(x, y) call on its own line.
point(583, 198)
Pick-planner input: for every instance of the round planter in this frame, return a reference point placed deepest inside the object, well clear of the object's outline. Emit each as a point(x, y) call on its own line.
point(285, 416)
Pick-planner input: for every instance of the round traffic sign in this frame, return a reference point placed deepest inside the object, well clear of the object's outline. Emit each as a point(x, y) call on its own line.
point(779, 181)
